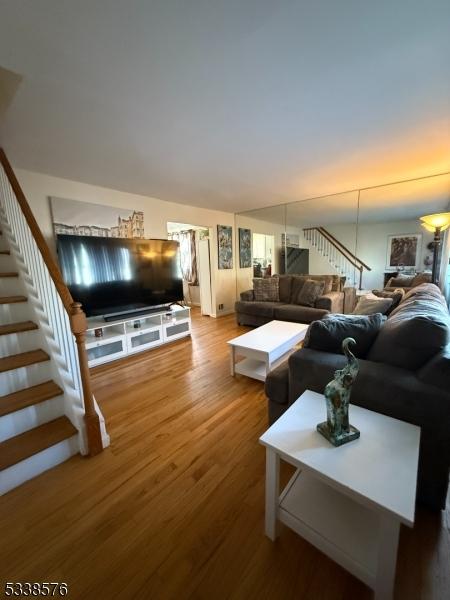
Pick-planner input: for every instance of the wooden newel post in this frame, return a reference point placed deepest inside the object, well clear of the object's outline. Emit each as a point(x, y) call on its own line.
point(91, 418)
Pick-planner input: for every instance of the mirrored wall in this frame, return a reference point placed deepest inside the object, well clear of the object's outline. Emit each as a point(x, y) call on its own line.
point(366, 236)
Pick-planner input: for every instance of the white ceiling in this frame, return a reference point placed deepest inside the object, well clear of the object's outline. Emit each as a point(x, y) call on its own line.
point(228, 104)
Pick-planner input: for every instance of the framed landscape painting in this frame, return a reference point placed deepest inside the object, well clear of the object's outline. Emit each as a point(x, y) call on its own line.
point(245, 248)
point(225, 246)
point(403, 251)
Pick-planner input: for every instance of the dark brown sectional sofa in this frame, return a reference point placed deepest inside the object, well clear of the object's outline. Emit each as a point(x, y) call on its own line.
point(405, 374)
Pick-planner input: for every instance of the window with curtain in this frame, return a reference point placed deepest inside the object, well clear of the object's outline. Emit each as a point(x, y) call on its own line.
point(188, 254)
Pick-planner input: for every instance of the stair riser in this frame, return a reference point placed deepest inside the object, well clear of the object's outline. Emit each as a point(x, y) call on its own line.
point(32, 416)
point(11, 286)
point(38, 463)
point(18, 379)
point(6, 263)
point(15, 313)
point(15, 343)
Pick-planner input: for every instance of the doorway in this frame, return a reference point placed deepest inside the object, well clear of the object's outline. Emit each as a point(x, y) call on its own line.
point(263, 254)
point(195, 258)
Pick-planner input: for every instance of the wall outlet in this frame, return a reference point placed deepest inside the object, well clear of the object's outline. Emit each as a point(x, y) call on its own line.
point(220, 306)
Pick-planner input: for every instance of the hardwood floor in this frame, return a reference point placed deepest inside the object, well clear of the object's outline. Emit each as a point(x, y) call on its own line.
point(175, 507)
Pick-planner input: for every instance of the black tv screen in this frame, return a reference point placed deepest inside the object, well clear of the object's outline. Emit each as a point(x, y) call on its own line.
point(113, 275)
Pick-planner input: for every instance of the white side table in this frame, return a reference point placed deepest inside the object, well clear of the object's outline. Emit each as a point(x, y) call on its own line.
point(347, 501)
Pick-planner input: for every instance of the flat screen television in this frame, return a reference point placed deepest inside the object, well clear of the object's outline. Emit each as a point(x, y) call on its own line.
point(119, 275)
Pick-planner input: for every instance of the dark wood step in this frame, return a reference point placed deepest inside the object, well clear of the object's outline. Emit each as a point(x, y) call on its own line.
point(17, 327)
point(24, 359)
point(8, 274)
point(7, 252)
point(28, 396)
point(31, 442)
point(13, 299)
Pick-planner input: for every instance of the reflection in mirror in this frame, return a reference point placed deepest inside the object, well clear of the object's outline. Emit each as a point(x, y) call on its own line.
point(390, 236)
point(321, 237)
point(260, 234)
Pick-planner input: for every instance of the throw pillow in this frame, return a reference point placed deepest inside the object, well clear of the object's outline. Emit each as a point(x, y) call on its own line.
point(310, 291)
point(328, 334)
point(370, 304)
point(267, 289)
point(397, 296)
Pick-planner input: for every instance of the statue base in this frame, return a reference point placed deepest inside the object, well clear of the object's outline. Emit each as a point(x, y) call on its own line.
point(338, 440)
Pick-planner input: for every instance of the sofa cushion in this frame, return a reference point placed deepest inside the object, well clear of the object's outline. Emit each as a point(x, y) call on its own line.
point(429, 289)
point(266, 289)
point(332, 283)
point(297, 313)
point(400, 281)
point(397, 296)
point(260, 309)
point(329, 333)
point(371, 304)
point(416, 331)
point(297, 283)
point(285, 285)
point(420, 278)
point(310, 291)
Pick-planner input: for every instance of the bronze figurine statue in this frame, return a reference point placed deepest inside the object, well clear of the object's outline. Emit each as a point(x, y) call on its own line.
point(337, 428)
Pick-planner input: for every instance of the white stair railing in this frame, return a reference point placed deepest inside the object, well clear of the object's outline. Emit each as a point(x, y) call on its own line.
point(343, 261)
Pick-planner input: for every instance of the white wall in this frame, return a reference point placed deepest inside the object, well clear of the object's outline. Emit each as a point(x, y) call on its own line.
point(39, 187)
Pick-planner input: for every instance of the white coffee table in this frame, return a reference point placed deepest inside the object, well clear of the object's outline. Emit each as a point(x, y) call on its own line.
point(265, 348)
point(347, 501)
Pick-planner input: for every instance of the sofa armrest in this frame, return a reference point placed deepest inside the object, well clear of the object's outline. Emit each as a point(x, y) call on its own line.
point(247, 296)
point(277, 384)
point(349, 300)
point(437, 370)
point(333, 302)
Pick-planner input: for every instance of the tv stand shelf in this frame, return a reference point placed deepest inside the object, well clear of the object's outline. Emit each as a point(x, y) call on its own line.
point(124, 337)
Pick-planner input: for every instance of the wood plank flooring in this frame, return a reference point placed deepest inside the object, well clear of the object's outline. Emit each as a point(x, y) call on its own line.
point(175, 507)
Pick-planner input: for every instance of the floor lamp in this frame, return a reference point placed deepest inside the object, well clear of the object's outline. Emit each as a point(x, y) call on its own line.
point(436, 223)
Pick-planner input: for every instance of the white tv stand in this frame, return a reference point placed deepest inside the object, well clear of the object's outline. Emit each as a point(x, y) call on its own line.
point(121, 338)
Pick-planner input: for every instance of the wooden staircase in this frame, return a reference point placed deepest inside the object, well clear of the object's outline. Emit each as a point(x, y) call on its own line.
point(31, 444)
point(342, 260)
point(47, 409)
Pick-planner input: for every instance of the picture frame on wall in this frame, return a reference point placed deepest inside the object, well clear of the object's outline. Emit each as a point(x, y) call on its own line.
point(225, 246)
point(245, 248)
point(403, 251)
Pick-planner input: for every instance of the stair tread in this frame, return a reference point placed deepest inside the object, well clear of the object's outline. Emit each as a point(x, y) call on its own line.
point(5, 252)
point(9, 274)
point(12, 299)
point(17, 327)
point(35, 440)
point(15, 361)
point(28, 396)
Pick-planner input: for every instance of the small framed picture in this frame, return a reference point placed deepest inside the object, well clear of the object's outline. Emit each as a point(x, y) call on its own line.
point(245, 248)
point(225, 246)
point(403, 251)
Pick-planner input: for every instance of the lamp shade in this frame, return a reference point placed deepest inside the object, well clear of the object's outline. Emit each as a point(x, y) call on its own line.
point(435, 221)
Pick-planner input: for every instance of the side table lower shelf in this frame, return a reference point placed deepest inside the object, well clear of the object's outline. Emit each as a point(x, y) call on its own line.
point(344, 530)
